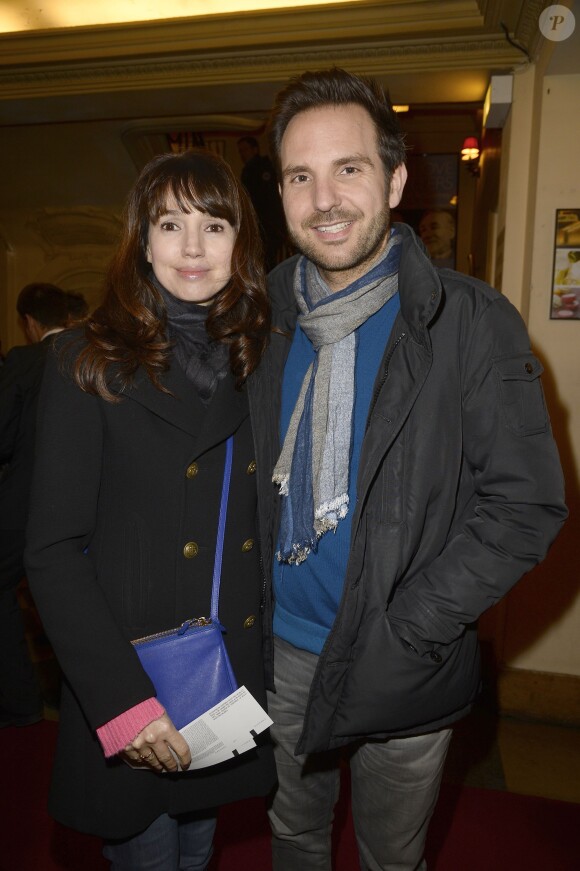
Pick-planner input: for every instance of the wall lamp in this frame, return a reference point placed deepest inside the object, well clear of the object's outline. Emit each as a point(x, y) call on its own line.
point(470, 154)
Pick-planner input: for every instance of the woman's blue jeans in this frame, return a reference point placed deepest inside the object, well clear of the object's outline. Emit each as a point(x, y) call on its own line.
point(182, 843)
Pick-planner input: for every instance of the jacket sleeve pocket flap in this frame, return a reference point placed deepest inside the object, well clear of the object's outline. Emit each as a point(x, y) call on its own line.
point(519, 367)
point(520, 393)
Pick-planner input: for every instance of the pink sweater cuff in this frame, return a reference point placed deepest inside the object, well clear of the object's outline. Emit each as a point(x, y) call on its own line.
point(117, 733)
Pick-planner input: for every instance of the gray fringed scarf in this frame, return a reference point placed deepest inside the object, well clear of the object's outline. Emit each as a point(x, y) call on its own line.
point(314, 464)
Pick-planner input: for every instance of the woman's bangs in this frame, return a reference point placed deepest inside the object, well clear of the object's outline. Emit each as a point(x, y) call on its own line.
point(203, 194)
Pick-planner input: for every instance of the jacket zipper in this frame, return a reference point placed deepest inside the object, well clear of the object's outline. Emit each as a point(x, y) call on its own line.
point(263, 595)
point(385, 375)
point(179, 630)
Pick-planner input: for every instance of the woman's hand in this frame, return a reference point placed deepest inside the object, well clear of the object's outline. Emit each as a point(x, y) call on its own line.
point(153, 745)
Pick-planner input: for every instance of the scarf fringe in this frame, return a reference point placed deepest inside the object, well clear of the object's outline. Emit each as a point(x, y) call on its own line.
point(298, 555)
point(282, 481)
point(327, 518)
point(338, 506)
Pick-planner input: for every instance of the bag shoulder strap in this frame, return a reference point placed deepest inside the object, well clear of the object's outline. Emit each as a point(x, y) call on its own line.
point(219, 547)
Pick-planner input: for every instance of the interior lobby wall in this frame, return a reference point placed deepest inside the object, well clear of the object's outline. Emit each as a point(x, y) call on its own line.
point(538, 626)
point(542, 621)
point(69, 247)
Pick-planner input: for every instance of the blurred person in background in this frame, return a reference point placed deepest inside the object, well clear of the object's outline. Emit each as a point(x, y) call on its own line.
point(43, 312)
point(437, 231)
point(259, 179)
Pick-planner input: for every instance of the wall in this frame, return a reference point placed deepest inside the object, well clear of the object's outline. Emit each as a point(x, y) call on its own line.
point(542, 621)
point(535, 630)
point(69, 247)
point(539, 624)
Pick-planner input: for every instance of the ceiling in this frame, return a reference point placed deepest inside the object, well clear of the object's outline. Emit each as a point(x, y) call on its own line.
point(82, 107)
point(16, 15)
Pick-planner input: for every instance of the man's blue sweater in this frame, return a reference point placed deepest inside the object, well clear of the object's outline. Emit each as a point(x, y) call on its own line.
point(307, 595)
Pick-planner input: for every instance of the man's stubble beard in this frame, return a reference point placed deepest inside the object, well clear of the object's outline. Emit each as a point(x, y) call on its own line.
point(366, 250)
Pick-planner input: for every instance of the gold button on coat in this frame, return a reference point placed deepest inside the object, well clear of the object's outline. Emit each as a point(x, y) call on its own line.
point(192, 470)
point(247, 545)
point(251, 468)
point(249, 621)
point(190, 550)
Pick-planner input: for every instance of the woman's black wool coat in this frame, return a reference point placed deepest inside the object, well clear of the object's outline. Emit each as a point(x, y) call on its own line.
point(120, 489)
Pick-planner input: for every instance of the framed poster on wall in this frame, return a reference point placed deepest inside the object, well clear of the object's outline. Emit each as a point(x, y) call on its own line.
point(565, 299)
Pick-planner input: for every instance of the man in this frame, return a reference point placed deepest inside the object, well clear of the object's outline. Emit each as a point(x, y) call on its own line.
point(259, 179)
point(43, 311)
point(418, 478)
point(437, 231)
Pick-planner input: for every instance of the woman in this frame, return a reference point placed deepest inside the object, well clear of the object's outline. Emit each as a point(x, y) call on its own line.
point(134, 415)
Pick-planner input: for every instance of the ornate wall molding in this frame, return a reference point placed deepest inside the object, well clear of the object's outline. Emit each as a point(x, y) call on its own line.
point(384, 19)
point(527, 31)
point(264, 66)
point(375, 37)
point(71, 232)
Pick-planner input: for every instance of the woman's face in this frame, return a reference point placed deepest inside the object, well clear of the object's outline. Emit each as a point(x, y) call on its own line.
point(191, 254)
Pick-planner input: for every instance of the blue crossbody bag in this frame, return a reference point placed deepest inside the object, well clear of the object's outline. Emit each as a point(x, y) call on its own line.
point(189, 666)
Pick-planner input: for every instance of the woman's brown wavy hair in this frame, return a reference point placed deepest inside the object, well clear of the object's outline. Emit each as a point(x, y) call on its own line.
point(128, 330)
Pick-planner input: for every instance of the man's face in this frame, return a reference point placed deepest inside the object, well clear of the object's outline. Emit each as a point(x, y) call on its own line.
point(335, 191)
point(437, 231)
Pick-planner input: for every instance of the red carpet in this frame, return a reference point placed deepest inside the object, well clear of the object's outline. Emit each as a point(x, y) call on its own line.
point(472, 830)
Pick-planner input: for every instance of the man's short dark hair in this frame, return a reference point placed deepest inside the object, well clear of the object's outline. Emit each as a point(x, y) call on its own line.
point(250, 140)
point(337, 87)
point(46, 303)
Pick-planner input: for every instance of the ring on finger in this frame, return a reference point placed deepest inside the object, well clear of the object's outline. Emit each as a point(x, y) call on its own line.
point(147, 757)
